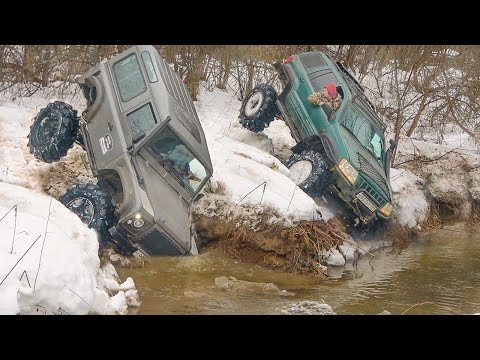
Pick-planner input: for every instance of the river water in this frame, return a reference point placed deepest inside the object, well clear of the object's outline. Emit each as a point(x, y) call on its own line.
point(437, 274)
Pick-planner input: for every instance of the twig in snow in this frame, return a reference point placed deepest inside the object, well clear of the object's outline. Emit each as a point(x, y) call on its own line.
point(427, 161)
point(84, 301)
point(263, 193)
point(251, 192)
point(14, 231)
point(26, 276)
point(43, 244)
point(288, 207)
point(39, 236)
point(62, 312)
point(8, 212)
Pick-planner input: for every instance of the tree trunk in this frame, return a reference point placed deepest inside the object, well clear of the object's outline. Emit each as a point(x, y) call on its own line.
point(422, 106)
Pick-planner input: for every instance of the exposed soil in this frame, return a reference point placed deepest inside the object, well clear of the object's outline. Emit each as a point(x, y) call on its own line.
point(292, 249)
point(67, 172)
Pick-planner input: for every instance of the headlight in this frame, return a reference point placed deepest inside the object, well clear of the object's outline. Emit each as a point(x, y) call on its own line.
point(387, 209)
point(348, 170)
point(138, 221)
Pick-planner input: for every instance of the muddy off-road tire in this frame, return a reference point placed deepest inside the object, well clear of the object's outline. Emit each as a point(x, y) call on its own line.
point(91, 204)
point(309, 171)
point(259, 108)
point(53, 132)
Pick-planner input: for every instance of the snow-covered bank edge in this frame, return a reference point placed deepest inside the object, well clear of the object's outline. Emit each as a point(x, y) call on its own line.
point(250, 224)
point(77, 281)
point(49, 260)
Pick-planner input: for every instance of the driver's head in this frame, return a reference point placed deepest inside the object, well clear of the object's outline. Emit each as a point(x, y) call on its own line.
point(331, 90)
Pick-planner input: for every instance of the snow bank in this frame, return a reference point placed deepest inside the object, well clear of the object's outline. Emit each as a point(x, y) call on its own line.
point(449, 173)
point(244, 171)
point(69, 280)
point(52, 268)
point(410, 201)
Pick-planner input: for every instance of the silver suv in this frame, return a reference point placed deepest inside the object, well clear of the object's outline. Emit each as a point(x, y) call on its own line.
point(144, 144)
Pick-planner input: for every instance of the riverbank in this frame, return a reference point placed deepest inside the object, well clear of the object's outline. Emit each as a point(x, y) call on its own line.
point(431, 183)
point(251, 211)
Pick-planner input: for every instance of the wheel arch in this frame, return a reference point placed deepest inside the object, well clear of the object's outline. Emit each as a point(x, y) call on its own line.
point(323, 144)
point(111, 181)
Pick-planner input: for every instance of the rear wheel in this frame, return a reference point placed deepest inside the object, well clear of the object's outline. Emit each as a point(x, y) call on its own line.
point(259, 108)
point(310, 172)
point(53, 132)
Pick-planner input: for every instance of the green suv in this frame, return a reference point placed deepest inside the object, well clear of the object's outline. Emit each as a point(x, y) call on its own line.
point(342, 152)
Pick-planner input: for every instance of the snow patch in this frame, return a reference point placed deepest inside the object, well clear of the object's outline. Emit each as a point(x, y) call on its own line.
point(409, 198)
point(244, 171)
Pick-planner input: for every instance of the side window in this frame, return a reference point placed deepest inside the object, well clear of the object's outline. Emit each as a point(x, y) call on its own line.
point(147, 61)
point(321, 78)
point(129, 77)
point(142, 119)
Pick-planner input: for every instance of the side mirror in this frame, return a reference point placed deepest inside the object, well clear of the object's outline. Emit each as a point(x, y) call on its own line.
point(139, 135)
point(393, 145)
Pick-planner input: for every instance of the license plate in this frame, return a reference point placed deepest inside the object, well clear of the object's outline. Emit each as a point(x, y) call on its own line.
point(366, 201)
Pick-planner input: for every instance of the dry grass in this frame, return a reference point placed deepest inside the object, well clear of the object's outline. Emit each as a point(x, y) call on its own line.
point(294, 249)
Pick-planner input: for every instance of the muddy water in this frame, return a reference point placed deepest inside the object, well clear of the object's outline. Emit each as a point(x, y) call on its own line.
point(439, 274)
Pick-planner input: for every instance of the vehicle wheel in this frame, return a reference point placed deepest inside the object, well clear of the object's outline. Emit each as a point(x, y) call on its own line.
point(91, 204)
point(53, 132)
point(309, 171)
point(259, 108)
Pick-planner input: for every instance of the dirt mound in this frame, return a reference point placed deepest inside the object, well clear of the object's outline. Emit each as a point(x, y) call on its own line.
point(294, 249)
point(67, 172)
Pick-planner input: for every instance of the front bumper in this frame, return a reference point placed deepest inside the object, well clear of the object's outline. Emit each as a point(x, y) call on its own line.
point(359, 201)
point(153, 242)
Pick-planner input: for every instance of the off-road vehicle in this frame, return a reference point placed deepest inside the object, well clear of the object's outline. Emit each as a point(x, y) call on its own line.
point(344, 151)
point(144, 144)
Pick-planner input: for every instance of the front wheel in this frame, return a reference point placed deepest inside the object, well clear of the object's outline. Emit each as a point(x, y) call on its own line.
point(259, 108)
point(309, 170)
point(91, 204)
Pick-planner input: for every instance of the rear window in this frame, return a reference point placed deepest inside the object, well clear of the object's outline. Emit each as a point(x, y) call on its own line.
point(312, 60)
point(321, 78)
point(129, 77)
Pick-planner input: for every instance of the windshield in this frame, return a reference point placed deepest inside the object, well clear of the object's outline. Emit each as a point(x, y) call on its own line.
point(178, 160)
point(369, 136)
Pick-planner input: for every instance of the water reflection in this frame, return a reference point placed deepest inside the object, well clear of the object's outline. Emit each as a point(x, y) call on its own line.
point(438, 275)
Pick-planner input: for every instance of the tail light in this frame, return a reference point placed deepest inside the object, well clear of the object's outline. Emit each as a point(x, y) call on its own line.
point(289, 59)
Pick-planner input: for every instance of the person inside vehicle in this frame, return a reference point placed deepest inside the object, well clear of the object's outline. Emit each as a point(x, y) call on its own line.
point(329, 96)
